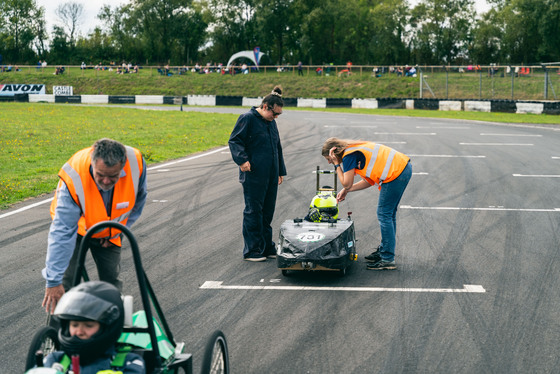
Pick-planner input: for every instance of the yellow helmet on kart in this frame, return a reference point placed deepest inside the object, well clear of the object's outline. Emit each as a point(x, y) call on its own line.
point(323, 207)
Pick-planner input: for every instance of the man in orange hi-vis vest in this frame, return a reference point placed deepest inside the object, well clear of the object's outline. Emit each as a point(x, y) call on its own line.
point(106, 181)
point(379, 165)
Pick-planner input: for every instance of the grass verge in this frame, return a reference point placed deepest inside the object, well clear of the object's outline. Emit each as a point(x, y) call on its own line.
point(37, 139)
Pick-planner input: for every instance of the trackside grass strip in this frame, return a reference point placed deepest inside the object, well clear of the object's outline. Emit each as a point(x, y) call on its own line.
point(37, 139)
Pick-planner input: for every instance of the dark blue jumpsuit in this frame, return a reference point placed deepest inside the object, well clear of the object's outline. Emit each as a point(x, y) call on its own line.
point(255, 140)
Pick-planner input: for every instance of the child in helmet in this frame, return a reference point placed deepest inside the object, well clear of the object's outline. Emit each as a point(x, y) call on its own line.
point(91, 321)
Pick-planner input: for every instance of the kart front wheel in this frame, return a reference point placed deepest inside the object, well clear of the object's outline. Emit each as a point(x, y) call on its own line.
point(46, 341)
point(216, 357)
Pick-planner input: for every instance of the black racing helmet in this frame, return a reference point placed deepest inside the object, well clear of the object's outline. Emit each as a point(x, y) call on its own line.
point(90, 301)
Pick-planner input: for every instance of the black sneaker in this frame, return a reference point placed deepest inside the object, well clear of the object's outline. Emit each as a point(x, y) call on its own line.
point(382, 265)
point(373, 257)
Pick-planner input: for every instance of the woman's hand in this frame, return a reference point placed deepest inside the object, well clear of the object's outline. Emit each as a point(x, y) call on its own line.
point(246, 166)
point(333, 157)
point(341, 195)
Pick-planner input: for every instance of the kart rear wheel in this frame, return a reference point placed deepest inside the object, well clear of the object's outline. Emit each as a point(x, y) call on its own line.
point(46, 341)
point(285, 273)
point(216, 357)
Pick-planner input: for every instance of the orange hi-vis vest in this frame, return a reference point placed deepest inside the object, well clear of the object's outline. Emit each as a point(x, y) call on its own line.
point(383, 164)
point(81, 185)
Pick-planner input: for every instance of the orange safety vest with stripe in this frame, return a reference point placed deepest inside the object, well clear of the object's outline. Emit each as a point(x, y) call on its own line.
point(383, 164)
point(84, 191)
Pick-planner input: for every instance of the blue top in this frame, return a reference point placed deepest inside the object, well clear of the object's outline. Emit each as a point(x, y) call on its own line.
point(355, 160)
point(64, 228)
point(133, 364)
point(256, 140)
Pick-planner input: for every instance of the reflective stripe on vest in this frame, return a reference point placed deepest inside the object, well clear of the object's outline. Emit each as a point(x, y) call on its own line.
point(371, 152)
point(78, 187)
point(134, 168)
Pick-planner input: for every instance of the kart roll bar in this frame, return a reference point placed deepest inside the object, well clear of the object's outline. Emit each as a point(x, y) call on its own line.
point(319, 172)
point(146, 290)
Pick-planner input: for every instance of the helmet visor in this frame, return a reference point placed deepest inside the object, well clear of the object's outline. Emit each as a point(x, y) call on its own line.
point(84, 306)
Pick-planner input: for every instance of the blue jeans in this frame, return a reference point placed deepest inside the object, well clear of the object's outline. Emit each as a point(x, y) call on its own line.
point(389, 199)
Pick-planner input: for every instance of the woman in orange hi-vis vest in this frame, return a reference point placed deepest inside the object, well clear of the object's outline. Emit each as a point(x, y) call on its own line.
point(379, 165)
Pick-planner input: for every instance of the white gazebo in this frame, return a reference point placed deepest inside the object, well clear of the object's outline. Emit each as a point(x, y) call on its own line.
point(247, 54)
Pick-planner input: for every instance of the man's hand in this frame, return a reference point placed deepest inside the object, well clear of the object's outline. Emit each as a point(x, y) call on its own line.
point(246, 166)
point(52, 295)
point(280, 180)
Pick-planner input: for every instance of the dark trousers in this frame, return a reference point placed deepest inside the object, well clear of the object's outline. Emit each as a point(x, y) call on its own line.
point(107, 261)
point(260, 202)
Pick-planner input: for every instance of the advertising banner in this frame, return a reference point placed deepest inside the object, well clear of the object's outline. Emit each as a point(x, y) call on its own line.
point(63, 90)
point(15, 89)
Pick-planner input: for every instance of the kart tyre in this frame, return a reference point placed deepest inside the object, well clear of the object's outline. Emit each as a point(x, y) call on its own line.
point(45, 340)
point(216, 356)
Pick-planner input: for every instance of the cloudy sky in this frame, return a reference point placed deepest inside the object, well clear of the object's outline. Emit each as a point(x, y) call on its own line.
point(92, 7)
point(89, 17)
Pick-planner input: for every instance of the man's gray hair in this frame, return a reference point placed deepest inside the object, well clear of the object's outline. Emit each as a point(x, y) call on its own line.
point(110, 151)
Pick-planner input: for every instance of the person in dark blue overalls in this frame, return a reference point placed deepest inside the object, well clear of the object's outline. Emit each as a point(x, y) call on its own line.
point(255, 146)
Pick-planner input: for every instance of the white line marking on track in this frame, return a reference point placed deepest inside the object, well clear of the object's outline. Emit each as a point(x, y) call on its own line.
point(467, 288)
point(405, 133)
point(187, 159)
point(26, 207)
point(537, 175)
point(487, 134)
point(443, 127)
point(420, 173)
point(498, 144)
point(492, 208)
point(555, 157)
point(447, 156)
point(355, 126)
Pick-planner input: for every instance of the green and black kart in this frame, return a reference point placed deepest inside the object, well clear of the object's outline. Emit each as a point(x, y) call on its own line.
point(146, 333)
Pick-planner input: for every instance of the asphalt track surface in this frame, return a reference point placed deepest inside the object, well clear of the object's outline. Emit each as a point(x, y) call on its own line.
point(476, 289)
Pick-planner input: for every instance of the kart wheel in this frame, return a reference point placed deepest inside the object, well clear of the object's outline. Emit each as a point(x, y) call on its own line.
point(216, 357)
point(46, 341)
point(285, 273)
point(342, 272)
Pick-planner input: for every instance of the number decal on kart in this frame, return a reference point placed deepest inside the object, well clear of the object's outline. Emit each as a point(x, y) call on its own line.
point(310, 237)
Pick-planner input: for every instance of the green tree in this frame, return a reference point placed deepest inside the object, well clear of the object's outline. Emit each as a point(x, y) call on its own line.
point(486, 47)
point(234, 28)
point(531, 30)
point(442, 31)
point(60, 46)
point(19, 20)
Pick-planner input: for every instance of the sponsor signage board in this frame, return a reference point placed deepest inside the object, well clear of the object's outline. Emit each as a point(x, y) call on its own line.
point(63, 90)
point(15, 89)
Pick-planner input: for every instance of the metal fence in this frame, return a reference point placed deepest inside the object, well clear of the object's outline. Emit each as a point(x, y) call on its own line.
point(491, 82)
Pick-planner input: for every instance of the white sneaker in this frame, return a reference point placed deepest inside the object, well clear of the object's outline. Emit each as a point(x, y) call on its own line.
point(255, 259)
